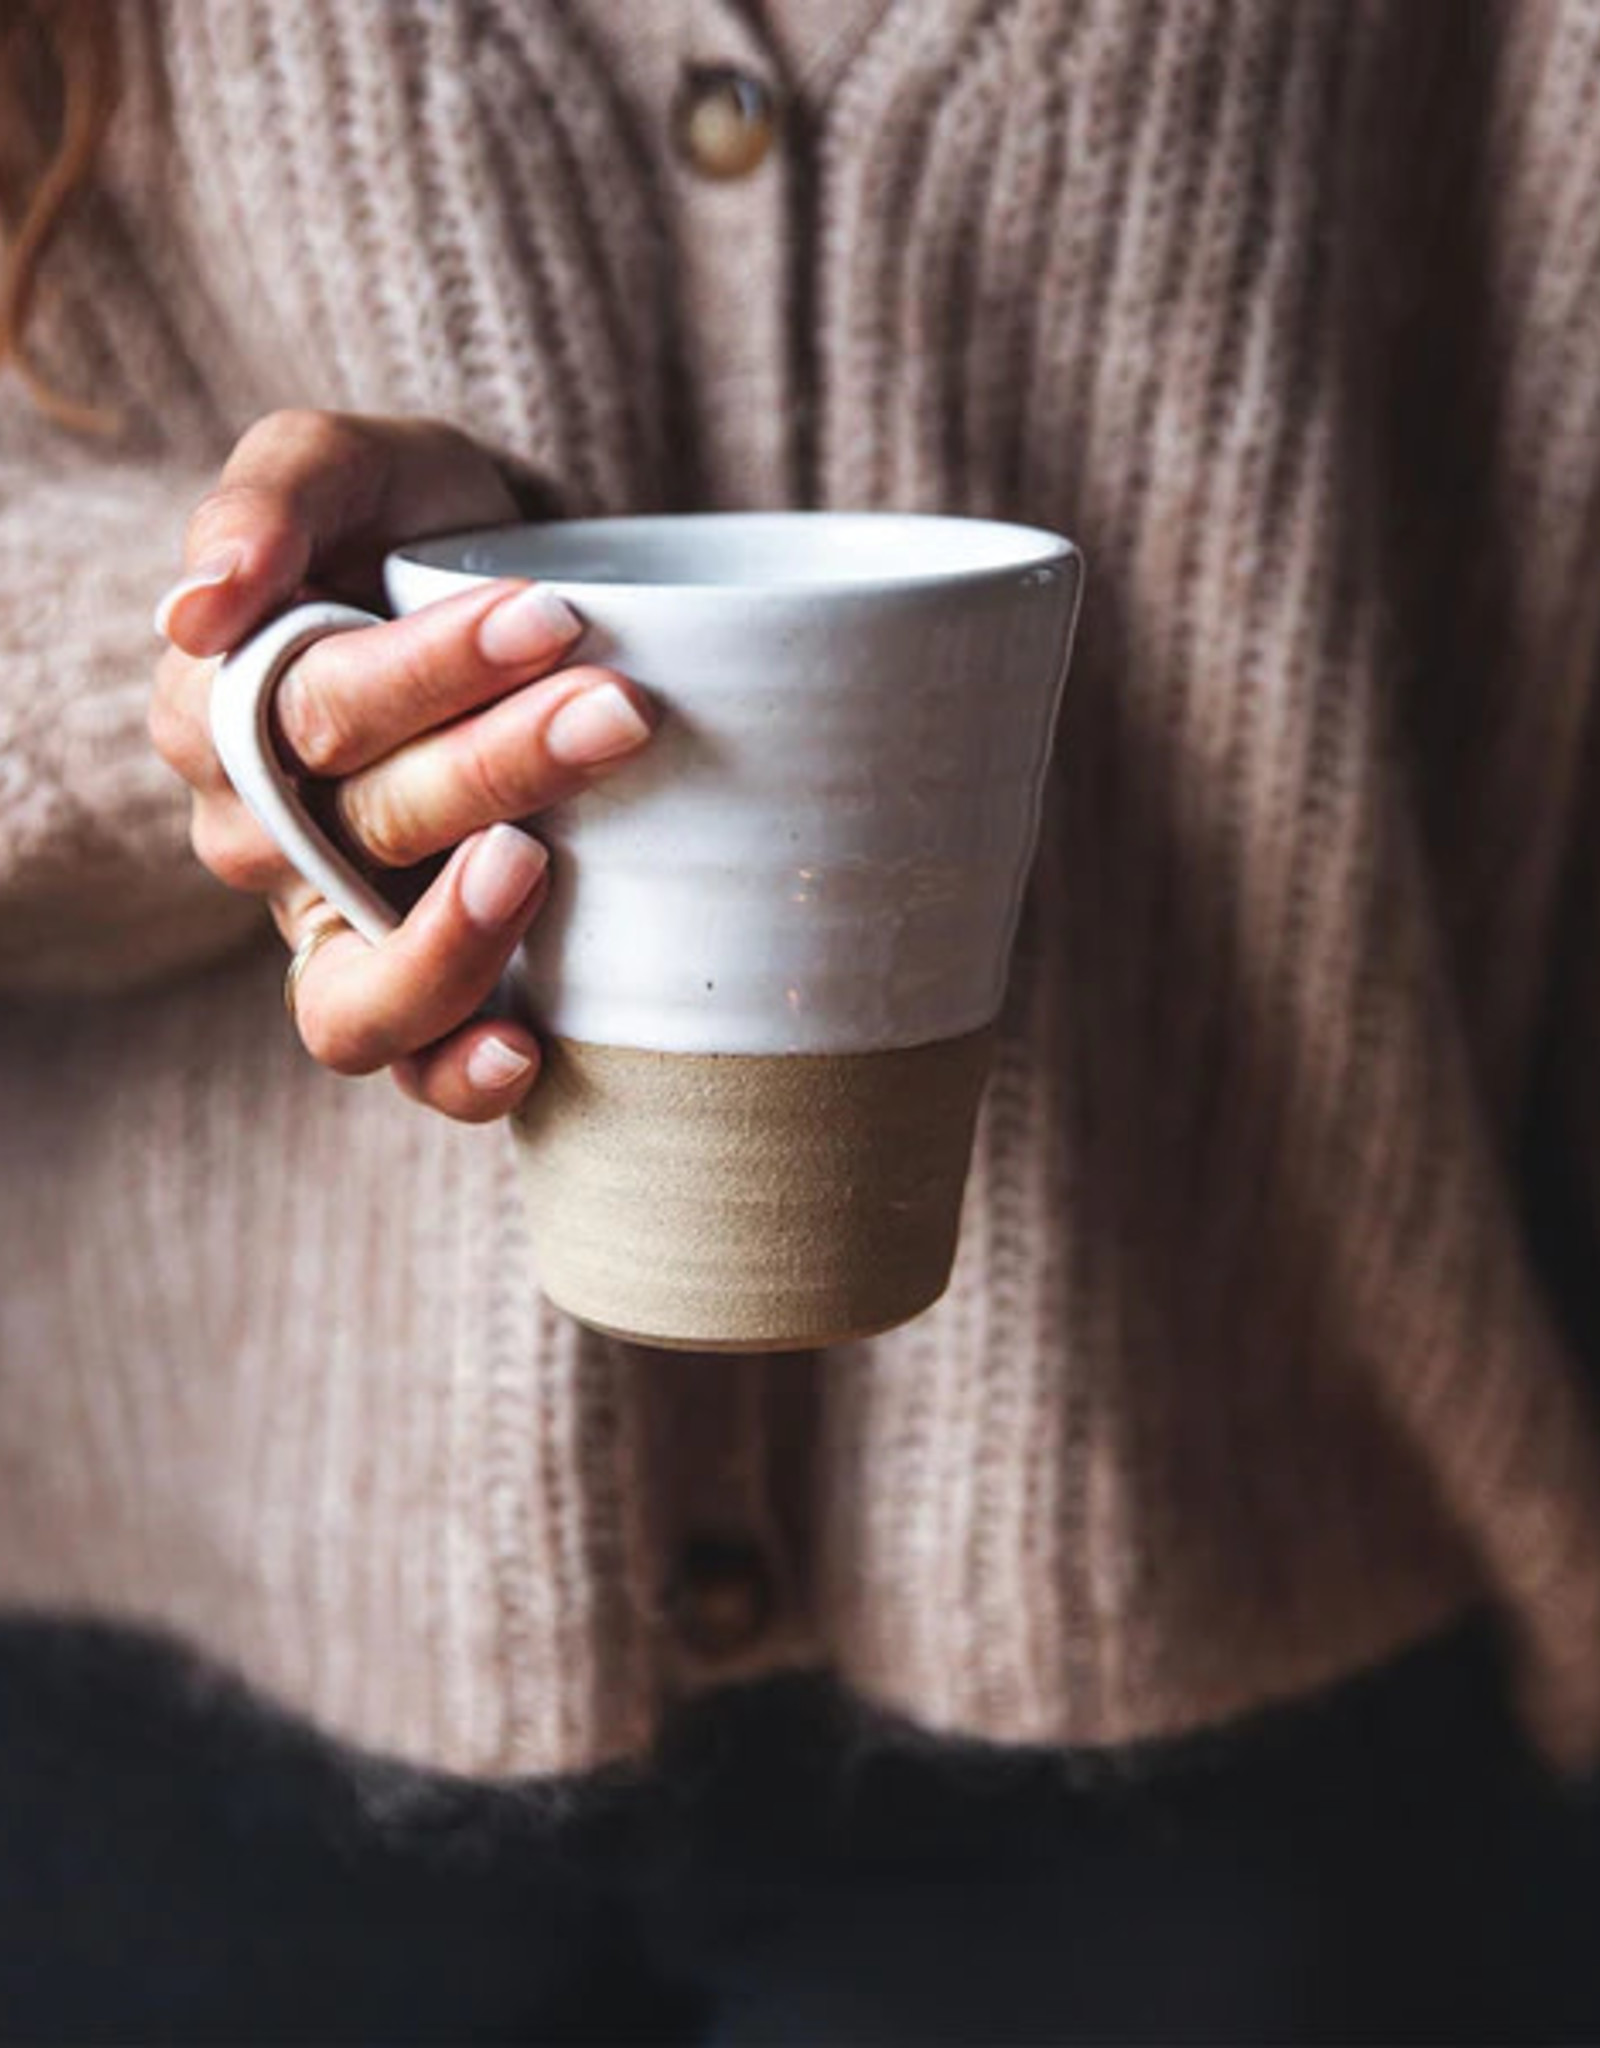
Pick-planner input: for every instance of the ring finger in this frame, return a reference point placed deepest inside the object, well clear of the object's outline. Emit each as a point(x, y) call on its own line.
point(360, 1007)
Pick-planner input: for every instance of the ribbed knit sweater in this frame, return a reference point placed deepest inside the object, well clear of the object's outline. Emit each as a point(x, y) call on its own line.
point(1263, 1350)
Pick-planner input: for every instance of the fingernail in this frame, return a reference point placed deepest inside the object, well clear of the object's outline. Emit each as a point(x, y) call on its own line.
point(596, 726)
point(499, 875)
point(521, 628)
point(209, 574)
point(492, 1064)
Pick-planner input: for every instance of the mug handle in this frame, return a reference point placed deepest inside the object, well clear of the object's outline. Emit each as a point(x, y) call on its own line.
point(241, 730)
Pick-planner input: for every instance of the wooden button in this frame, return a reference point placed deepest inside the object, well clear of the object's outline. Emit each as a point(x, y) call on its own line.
point(724, 121)
point(721, 1599)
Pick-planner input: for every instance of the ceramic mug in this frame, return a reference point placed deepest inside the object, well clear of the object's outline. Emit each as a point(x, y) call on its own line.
point(775, 944)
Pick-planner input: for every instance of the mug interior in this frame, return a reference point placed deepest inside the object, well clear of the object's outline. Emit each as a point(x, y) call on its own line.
point(748, 550)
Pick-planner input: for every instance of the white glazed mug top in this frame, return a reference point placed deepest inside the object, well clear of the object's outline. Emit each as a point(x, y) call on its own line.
point(825, 845)
point(745, 554)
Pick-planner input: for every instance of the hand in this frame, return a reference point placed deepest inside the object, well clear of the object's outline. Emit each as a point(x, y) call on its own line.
point(435, 732)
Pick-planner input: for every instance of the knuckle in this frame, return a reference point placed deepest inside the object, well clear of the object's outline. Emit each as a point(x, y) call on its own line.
point(336, 1036)
point(380, 814)
point(200, 522)
point(443, 435)
point(267, 468)
point(227, 841)
point(208, 842)
point(222, 512)
point(168, 729)
point(419, 676)
point(287, 431)
point(423, 665)
point(288, 447)
point(176, 728)
point(488, 782)
point(312, 712)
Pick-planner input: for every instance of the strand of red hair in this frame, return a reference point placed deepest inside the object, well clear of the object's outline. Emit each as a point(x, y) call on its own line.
point(79, 44)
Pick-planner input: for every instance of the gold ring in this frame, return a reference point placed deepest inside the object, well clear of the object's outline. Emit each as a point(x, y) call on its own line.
point(329, 925)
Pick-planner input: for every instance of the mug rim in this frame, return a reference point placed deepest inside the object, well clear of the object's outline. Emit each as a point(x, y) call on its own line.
point(1034, 547)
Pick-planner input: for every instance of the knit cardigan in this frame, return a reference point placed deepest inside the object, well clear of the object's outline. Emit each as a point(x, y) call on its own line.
point(1264, 1352)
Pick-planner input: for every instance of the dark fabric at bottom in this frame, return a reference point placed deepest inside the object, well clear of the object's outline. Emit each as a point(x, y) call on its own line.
point(1384, 1864)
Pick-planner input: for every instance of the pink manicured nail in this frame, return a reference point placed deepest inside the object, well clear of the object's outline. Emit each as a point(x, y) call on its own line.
point(596, 726)
point(492, 1064)
point(209, 574)
point(499, 874)
point(526, 627)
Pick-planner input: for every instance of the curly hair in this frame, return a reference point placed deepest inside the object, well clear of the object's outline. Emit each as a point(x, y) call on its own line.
point(58, 74)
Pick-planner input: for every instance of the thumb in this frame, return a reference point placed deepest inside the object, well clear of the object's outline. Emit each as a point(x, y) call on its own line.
point(299, 488)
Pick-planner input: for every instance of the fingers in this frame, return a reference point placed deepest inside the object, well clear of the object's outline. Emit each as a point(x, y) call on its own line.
point(226, 839)
point(476, 1074)
point(361, 1007)
point(305, 491)
point(354, 697)
point(179, 724)
point(310, 496)
point(297, 482)
point(528, 751)
point(392, 702)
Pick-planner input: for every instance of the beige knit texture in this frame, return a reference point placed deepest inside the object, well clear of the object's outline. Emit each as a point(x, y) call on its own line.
point(1261, 1353)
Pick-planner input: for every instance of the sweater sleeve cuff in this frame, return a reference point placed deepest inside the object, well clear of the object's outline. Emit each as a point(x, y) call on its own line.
point(98, 886)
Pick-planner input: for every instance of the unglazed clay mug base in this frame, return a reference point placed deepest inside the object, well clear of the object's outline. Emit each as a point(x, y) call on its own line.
point(775, 945)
